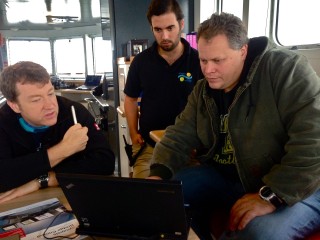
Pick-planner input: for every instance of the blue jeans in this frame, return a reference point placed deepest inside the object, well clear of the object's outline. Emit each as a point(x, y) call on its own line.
point(206, 190)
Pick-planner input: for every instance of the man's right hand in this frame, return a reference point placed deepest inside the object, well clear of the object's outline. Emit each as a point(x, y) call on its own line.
point(137, 139)
point(74, 140)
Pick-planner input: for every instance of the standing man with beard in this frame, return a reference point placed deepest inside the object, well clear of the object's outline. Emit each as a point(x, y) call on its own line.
point(163, 75)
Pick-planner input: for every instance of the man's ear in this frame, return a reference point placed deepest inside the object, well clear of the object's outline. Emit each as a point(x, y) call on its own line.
point(244, 51)
point(14, 106)
point(181, 24)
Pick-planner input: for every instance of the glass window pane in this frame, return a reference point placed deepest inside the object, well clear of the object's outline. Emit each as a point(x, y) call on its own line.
point(16, 12)
point(258, 26)
point(298, 24)
point(207, 8)
point(95, 6)
point(234, 7)
point(36, 51)
point(103, 55)
point(65, 8)
point(70, 56)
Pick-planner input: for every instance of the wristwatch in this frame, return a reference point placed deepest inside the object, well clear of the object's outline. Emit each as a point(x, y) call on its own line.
point(266, 194)
point(43, 180)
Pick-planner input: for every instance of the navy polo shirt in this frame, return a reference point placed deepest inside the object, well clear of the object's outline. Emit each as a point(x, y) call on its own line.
point(163, 88)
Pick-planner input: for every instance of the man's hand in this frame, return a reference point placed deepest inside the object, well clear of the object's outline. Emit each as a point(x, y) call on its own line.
point(137, 139)
point(74, 140)
point(247, 208)
point(29, 187)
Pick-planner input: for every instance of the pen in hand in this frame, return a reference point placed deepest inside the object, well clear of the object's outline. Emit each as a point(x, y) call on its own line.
point(73, 111)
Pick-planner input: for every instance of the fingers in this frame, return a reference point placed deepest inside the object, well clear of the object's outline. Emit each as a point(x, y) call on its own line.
point(19, 191)
point(76, 138)
point(241, 217)
point(25, 189)
point(240, 214)
point(247, 208)
point(141, 141)
point(137, 139)
point(5, 194)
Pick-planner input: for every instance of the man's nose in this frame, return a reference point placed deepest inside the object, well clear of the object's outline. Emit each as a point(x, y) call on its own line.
point(165, 34)
point(48, 102)
point(210, 67)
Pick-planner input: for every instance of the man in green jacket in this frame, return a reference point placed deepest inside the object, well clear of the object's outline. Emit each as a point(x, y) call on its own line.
point(254, 122)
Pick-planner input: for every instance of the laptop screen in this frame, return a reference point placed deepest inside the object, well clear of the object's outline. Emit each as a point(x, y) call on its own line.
point(92, 80)
point(125, 207)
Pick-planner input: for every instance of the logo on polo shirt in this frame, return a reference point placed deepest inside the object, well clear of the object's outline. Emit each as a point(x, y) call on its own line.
point(185, 77)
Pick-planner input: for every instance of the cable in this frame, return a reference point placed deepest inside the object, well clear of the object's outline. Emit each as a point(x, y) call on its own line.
point(57, 237)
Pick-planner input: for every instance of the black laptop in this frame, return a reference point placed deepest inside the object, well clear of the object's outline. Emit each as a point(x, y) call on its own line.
point(126, 208)
point(91, 82)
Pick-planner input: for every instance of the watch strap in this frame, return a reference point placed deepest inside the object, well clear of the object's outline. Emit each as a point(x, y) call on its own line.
point(276, 201)
point(268, 195)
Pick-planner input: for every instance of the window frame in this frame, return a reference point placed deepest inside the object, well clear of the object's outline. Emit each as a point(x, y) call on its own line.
point(276, 29)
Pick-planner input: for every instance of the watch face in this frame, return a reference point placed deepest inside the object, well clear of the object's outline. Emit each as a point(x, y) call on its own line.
point(266, 192)
point(43, 180)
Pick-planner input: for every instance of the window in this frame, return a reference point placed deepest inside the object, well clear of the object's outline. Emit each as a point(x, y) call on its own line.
point(259, 26)
point(207, 8)
point(16, 12)
point(69, 55)
point(232, 6)
point(65, 8)
point(297, 22)
point(37, 10)
point(103, 55)
point(260, 8)
point(95, 8)
point(36, 51)
point(300, 25)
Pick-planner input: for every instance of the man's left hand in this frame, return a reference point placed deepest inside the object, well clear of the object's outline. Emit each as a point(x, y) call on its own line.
point(29, 187)
point(247, 208)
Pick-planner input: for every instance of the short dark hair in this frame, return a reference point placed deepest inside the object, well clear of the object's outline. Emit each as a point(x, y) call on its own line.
point(227, 24)
point(159, 7)
point(21, 72)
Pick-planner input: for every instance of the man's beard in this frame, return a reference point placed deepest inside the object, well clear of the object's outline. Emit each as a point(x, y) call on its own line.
point(171, 46)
